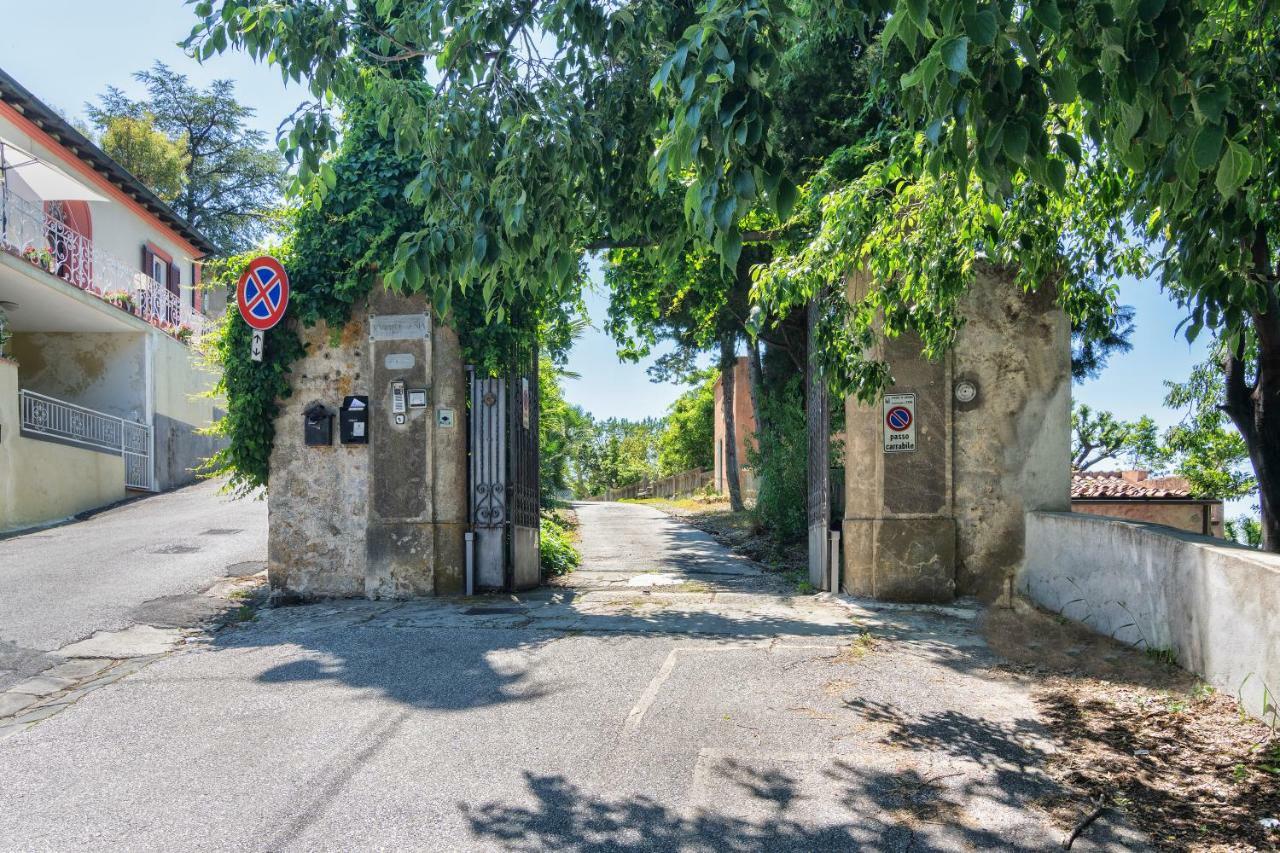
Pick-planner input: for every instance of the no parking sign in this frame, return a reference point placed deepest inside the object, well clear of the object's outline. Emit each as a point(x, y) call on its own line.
point(899, 423)
point(262, 297)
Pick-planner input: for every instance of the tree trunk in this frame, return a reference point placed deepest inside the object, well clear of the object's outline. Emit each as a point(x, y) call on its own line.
point(1255, 409)
point(728, 361)
point(756, 373)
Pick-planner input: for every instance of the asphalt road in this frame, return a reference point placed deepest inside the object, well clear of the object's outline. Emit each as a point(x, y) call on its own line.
point(123, 566)
point(603, 713)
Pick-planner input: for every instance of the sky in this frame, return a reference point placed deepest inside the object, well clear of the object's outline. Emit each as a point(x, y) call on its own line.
point(103, 42)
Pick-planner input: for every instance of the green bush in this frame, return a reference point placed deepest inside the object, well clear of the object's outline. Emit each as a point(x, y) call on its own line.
point(559, 556)
point(781, 462)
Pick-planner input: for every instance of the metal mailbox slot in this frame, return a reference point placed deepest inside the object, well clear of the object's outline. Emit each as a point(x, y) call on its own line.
point(317, 430)
point(353, 420)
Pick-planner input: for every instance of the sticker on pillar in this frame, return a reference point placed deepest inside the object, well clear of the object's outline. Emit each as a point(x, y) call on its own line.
point(899, 423)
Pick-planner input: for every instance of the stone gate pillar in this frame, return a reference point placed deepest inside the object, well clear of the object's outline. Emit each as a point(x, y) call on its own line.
point(382, 514)
point(943, 515)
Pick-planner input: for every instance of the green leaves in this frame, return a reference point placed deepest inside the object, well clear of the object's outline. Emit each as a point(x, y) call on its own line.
point(1016, 138)
point(1047, 13)
point(919, 12)
point(1234, 170)
point(955, 53)
point(981, 26)
point(1207, 146)
point(787, 193)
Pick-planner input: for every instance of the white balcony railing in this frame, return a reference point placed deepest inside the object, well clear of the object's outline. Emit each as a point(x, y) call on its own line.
point(50, 418)
point(28, 232)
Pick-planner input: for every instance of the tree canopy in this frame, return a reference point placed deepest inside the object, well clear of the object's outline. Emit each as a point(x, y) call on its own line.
point(153, 158)
point(228, 178)
point(1062, 139)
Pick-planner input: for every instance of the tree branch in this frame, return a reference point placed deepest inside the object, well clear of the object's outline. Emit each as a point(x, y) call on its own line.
point(764, 236)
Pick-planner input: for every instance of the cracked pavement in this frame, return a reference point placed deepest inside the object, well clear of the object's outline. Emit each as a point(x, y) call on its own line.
point(667, 696)
point(142, 563)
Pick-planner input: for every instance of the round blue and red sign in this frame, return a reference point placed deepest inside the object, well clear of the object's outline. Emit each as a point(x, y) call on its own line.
point(263, 293)
point(898, 418)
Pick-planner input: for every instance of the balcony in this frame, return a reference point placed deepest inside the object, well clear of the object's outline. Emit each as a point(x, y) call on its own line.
point(27, 232)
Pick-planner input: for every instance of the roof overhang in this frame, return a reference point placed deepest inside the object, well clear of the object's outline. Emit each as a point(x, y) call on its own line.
point(61, 131)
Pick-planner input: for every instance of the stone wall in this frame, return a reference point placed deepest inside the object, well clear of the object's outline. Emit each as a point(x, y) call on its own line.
point(384, 519)
point(947, 518)
point(1193, 516)
point(1013, 442)
point(1211, 603)
point(318, 496)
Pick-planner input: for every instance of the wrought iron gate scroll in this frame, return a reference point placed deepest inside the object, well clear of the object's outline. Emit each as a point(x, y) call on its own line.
point(504, 479)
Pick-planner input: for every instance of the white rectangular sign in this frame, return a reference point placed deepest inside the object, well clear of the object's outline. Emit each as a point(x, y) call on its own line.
point(399, 327)
point(899, 423)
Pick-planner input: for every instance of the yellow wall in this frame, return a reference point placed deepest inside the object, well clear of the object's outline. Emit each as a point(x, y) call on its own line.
point(41, 481)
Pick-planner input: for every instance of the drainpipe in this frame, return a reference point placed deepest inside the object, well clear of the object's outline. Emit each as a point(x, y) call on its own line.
point(470, 538)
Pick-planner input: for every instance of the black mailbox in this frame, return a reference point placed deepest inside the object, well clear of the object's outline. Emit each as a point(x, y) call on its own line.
point(317, 430)
point(353, 420)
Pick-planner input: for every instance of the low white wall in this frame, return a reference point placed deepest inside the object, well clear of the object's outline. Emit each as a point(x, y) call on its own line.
point(1215, 605)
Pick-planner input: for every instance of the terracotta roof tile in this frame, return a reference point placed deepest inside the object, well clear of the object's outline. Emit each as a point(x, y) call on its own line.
point(1133, 485)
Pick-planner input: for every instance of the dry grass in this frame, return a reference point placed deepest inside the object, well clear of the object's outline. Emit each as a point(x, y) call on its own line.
point(1144, 737)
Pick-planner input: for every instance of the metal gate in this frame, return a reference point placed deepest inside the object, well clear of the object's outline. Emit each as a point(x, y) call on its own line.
point(48, 418)
point(504, 480)
point(818, 416)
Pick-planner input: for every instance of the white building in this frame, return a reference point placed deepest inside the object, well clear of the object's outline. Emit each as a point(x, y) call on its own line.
point(100, 386)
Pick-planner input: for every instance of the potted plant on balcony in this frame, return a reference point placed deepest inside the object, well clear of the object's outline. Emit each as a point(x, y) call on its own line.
point(121, 299)
point(39, 256)
point(184, 333)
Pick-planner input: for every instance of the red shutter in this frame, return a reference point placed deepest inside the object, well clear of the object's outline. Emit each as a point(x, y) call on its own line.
point(148, 257)
point(175, 280)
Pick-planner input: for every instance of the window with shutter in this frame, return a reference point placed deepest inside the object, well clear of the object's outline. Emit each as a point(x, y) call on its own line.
point(174, 280)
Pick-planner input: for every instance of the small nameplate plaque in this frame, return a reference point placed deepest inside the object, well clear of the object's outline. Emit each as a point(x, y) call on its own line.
point(399, 327)
point(400, 361)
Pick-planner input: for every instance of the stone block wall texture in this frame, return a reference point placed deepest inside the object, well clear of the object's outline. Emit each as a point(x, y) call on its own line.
point(380, 520)
point(318, 498)
point(1211, 603)
point(947, 519)
point(1013, 443)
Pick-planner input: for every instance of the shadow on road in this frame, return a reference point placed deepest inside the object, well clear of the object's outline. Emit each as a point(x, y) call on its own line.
point(885, 811)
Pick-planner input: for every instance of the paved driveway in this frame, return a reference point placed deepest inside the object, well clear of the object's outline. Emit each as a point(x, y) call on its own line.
point(706, 711)
point(132, 564)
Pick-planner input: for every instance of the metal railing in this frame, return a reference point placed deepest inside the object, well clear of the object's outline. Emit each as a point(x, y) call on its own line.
point(48, 417)
point(27, 231)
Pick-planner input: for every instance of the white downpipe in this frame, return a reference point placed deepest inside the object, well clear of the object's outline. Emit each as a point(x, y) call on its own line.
point(470, 538)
